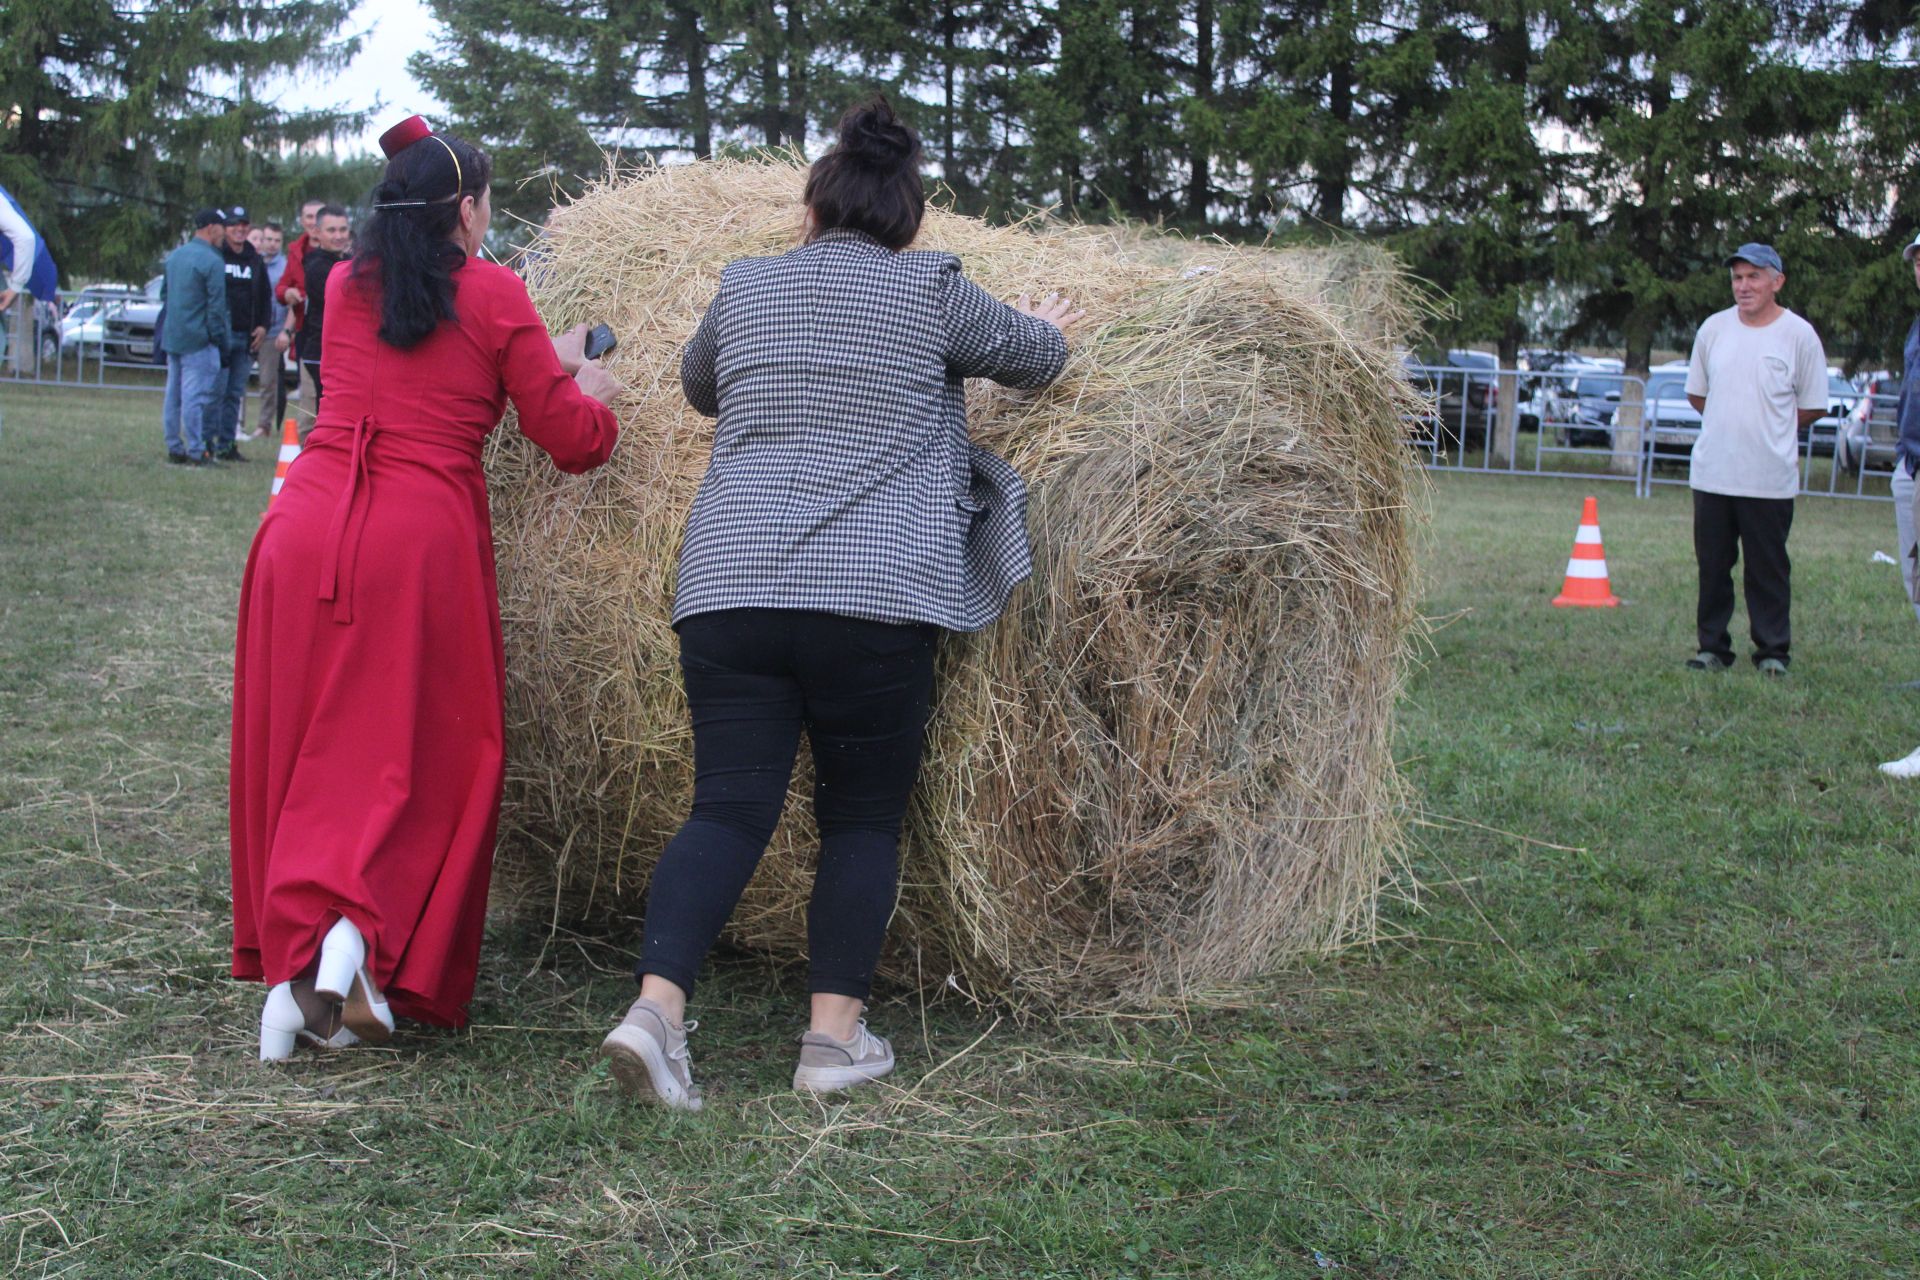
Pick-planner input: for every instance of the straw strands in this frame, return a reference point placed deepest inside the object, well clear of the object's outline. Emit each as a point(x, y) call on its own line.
point(1166, 769)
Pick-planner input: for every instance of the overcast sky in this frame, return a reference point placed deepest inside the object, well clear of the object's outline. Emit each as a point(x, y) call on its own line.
point(400, 29)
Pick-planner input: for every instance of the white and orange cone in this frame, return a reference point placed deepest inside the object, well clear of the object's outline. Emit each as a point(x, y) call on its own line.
point(1587, 585)
point(289, 450)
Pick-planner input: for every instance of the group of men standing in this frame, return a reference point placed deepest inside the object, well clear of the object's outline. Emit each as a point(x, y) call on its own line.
point(232, 298)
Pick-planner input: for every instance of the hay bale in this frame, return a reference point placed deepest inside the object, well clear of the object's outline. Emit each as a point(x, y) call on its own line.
point(1167, 768)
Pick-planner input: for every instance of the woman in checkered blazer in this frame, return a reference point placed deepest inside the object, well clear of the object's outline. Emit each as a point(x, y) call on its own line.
point(845, 521)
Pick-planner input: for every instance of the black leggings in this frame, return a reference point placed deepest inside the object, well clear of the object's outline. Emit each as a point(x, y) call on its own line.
point(754, 679)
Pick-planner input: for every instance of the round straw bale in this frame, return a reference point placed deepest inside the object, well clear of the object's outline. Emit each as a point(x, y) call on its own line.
point(1167, 767)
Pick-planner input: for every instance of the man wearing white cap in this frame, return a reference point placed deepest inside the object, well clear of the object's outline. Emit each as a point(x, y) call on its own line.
point(1906, 494)
point(1758, 374)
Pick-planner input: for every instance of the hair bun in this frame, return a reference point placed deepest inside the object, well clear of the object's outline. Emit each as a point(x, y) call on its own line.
point(872, 134)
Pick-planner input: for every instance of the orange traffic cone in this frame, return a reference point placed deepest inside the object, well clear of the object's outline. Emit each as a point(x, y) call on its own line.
point(289, 450)
point(1587, 584)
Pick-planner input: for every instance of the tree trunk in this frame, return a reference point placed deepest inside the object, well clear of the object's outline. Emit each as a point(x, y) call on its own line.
point(693, 47)
point(949, 162)
point(1138, 165)
point(1199, 177)
point(772, 109)
point(1629, 415)
point(799, 60)
point(1629, 418)
point(1333, 175)
point(1501, 450)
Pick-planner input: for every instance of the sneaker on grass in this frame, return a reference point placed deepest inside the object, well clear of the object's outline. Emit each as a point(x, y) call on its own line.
point(648, 1054)
point(1905, 767)
point(827, 1064)
point(1704, 661)
point(1773, 668)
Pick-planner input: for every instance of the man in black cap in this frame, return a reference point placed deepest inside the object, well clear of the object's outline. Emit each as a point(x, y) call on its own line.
point(249, 309)
point(1758, 374)
point(194, 335)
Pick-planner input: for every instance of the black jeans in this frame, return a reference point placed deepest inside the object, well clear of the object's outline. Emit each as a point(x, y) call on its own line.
point(310, 369)
point(754, 679)
point(1722, 527)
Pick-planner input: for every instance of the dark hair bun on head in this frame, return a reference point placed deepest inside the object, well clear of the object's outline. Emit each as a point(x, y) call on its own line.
point(870, 181)
point(872, 134)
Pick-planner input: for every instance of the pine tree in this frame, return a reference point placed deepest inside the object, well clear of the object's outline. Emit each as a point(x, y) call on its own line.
point(1480, 205)
point(122, 118)
point(1303, 99)
point(551, 85)
point(1701, 124)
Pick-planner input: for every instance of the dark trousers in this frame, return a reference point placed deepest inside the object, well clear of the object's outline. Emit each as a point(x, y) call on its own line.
point(1723, 527)
point(754, 679)
point(310, 369)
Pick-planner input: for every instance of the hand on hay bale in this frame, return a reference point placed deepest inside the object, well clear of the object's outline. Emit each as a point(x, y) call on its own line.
point(1167, 768)
point(1055, 310)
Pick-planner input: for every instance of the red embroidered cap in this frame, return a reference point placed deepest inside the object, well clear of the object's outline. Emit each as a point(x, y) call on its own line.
point(404, 135)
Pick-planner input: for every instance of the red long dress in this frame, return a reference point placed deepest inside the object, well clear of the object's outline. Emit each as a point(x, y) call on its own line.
point(368, 688)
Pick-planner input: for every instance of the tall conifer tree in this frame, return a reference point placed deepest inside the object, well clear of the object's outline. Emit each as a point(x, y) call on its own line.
point(121, 118)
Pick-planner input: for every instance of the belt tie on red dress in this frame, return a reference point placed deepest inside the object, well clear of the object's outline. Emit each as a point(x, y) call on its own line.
point(341, 550)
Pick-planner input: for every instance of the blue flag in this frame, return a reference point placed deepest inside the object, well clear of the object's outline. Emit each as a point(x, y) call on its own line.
point(44, 283)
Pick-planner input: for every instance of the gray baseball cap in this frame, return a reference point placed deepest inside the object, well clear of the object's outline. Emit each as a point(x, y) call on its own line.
point(1759, 255)
point(1911, 249)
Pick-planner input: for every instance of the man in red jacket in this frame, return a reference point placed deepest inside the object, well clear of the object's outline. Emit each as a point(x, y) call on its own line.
point(291, 288)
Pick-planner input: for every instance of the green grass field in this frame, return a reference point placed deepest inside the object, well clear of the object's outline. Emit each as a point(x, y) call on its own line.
point(1653, 1012)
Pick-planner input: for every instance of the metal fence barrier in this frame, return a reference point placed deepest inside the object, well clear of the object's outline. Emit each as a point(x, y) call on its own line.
point(97, 338)
point(1594, 425)
point(1585, 424)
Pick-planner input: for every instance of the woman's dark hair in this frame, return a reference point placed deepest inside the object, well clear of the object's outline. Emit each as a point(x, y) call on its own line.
point(870, 181)
point(407, 242)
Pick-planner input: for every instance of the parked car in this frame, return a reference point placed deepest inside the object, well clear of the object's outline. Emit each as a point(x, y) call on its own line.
point(1581, 404)
point(1671, 421)
point(1543, 359)
point(1824, 431)
point(44, 328)
point(1869, 438)
point(83, 329)
point(1464, 402)
point(129, 335)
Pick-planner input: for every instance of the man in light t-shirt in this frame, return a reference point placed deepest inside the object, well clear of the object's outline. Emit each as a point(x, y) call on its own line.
point(1758, 374)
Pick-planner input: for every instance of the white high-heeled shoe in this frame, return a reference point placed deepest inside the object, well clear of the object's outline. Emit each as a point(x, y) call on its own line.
point(281, 1023)
point(343, 976)
point(287, 1021)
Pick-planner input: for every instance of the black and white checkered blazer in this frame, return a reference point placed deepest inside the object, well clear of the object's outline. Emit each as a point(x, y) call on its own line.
point(842, 478)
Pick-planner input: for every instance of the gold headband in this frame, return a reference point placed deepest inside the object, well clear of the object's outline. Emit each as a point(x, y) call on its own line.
point(459, 183)
point(459, 179)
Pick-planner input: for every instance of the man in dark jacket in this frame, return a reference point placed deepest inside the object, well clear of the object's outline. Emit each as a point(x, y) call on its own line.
point(249, 311)
point(194, 334)
point(290, 287)
point(332, 235)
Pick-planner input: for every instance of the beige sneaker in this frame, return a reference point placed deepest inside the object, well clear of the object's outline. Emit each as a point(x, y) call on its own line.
point(827, 1064)
point(648, 1054)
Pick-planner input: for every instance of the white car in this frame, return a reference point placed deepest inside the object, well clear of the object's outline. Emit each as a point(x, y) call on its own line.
point(1844, 399)
point(1671, 417)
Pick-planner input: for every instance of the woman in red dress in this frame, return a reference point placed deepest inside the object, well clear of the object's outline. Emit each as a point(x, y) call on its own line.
point(368, 680)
